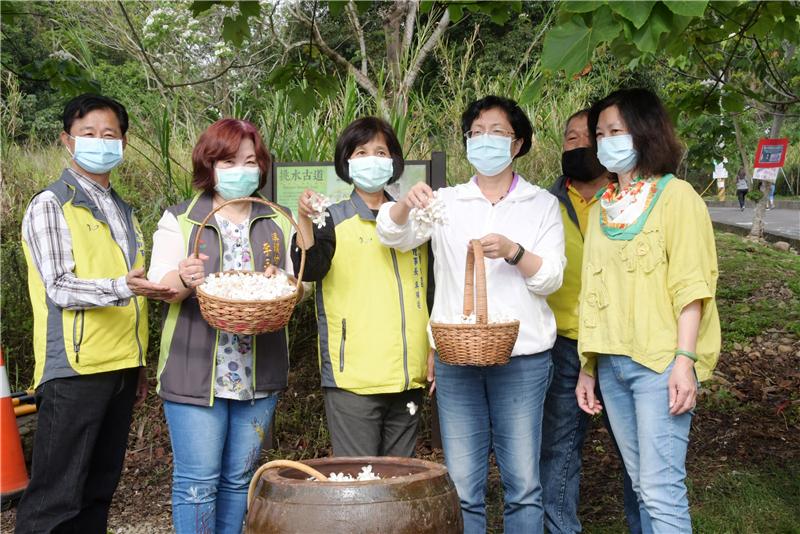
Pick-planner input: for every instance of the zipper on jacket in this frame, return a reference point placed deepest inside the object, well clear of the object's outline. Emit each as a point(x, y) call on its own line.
point(138, 341)
point(129, 265)
point(135, 298)
point(341, 345)
point(76, 340)
point(402, 317)
point(216, 335)
point(253, 344)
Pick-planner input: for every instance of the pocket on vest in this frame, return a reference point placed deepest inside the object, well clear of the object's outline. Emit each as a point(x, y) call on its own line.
point(341, 345)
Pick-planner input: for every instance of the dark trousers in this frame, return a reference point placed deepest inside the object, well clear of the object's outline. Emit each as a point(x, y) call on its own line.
point(372, 425)
point(78, 450)
point(741, 194)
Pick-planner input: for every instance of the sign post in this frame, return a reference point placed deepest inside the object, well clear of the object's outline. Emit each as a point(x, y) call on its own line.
point(770, 156)
point(288, 180)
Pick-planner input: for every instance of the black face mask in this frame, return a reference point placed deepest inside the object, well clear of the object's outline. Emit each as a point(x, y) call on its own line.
point(581, 164)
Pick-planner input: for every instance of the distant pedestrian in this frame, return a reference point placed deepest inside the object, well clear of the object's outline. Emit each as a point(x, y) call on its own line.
point(771, 196)
point(741, 187)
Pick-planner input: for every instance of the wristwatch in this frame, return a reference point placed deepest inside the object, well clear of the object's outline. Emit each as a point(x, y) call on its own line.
point(518, 256)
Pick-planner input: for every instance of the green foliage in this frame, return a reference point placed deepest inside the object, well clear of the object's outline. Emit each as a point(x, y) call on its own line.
point(235, 28)
point(569, 45)
point(305, 86)
point(750, 275)
point(58, 70)
point(498, 12)
point(632, 29)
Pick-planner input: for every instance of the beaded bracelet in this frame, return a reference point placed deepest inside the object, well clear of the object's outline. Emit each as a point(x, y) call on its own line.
point(691, 355)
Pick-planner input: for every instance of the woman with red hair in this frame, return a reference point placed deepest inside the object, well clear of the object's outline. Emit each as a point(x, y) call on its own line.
point(219, 388)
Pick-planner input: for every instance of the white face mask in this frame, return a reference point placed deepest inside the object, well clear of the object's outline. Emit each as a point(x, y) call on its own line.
point(96, 154)
point(489, 154)
point(616, 153)
point(237, 182)
point(370, 173)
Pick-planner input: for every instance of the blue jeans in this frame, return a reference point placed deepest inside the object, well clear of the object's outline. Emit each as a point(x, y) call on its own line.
point(653, 442)
point(215, 451)
point(563, 430)
point(497, 407)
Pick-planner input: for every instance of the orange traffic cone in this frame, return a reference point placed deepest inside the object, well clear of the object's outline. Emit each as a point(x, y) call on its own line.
point(13, 475)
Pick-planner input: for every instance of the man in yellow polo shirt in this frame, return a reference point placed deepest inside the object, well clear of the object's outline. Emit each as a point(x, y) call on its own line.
point(564, 425)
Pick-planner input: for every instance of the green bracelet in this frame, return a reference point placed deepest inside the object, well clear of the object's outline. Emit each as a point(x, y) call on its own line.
point(691, 355)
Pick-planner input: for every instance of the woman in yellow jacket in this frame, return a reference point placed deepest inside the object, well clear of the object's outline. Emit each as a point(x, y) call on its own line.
point(370, 302)
point(649, 327)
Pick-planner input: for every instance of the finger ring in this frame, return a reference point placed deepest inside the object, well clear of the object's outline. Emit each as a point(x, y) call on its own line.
point(191, 278)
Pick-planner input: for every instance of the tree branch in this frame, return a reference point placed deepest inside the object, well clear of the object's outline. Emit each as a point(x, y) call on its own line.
point(140, 44)
point(362, 79)
point(411, 19)
point(774, 74)
point(394, 51)
point(545, 25)
point(732, 87)
point(413, 71)
point(742, 30)
point(272, 27)
point(20, 75)
point(231, 66)
point(353, 16)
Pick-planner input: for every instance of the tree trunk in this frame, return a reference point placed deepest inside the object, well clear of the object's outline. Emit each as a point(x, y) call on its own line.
point(757, 231)
point(742, 152)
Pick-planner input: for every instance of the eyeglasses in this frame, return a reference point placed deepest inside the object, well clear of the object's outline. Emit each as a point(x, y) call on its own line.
point(496, 131)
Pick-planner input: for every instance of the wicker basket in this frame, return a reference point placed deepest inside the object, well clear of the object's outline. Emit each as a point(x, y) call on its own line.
point(482, 343)
point(249, 316)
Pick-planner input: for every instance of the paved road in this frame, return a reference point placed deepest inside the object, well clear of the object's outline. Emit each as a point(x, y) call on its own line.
point(780, 222)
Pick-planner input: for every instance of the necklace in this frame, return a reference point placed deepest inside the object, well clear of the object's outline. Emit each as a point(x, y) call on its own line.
point(510, 188)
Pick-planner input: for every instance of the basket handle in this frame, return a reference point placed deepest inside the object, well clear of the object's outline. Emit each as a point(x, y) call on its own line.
point(475, 278)
point(307, 469)
point(277, 209)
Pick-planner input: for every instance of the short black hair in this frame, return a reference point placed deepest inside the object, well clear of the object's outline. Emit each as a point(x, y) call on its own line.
point(579, 113)
point(80, 106)
point(362, 131)
point(648, 122)
point(519, 121)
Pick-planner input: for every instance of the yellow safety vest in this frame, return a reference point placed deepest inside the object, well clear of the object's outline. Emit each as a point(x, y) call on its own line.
point(371, 309)
point(94, 340)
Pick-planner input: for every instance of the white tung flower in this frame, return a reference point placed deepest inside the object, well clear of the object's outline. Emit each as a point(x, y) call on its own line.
point(320, 203)
point(425, 219)
point(238, 286)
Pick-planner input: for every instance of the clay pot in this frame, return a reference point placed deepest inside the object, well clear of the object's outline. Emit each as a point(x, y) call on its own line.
point(412, 497)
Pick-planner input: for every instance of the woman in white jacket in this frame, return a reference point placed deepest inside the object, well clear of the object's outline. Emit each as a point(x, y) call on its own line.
point(519, 225)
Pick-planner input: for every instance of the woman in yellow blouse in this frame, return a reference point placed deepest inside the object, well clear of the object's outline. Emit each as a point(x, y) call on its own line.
point(649, 327)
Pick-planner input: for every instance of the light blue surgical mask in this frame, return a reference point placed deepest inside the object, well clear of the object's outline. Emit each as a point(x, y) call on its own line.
point(489, 154)
point(616, 153)
point(237, 182)
point(370, 173)
point(97, 155)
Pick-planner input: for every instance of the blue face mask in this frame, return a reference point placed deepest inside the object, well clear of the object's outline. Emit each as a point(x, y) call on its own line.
point(616, 153)
point(489, 154)
point(370, 173)
point(237, 182)
point(97, 155)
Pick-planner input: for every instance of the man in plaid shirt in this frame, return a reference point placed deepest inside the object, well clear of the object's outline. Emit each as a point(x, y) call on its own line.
point(89, 293)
